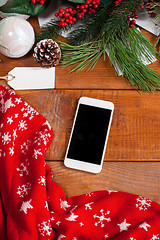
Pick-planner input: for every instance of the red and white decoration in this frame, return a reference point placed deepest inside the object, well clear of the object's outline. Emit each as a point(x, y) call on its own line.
point(33, 207)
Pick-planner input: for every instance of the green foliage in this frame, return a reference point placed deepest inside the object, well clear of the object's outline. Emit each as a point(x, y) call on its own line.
point(92, 26)
point(127, 47)
point(128, 55)
point(24, 7)
point(155, 8)
point(108, 19)
point(108, 27)
point(87, 54)
point(125, 52)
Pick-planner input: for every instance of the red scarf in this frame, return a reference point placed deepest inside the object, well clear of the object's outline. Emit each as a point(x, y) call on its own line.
point(33, 207)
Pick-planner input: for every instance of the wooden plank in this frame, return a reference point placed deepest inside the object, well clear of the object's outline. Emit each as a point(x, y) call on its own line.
point(101, 77)
point(134, 135)
point(133, 177)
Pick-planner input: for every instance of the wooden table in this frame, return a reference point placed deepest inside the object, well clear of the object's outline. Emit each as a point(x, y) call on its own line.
point(132, 159)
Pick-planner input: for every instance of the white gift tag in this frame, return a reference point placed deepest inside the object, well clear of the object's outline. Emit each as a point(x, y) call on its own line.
point(32, 78)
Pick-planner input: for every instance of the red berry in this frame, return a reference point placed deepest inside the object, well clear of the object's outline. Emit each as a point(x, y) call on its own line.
point(80, 16)
point(65, 24)
point(60, 24)
point(33, 1)
point(61, 10)
point(41, 2)
point(73, 19)
point(131, 25)
point(66, 15)
point(136, 17)
point(62, 20)
point(70, 17)
point(70, 9)
point(86, 6)
point(87, 2)
point(82, 7)
point(70, 22)
point(67, 20)
point(133, 22)
point(66, 10)
point(84, 10)
point(89, 12)
point(93, 2)
point(60, 14)
point(116, 2)
point(95, 6)
point(56, 14)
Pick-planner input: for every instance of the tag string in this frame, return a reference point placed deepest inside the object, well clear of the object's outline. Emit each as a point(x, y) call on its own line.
point(8, 77)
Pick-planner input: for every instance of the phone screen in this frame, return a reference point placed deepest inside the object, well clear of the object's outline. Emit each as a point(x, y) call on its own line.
point(89, 134)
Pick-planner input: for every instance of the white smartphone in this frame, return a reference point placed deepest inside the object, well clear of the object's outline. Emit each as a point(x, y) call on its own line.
point(89, 135)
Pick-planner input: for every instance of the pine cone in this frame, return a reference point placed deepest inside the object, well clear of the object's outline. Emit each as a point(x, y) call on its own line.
point(47, 53)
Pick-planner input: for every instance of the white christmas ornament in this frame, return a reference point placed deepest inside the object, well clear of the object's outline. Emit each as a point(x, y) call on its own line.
point(16, 36)
point(3, 2)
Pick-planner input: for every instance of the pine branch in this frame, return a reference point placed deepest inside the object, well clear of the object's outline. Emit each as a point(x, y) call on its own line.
point(109, 27)
point(87, 54)
point(120, 53)
point(126, 51)
point(92, 25)
point(155, 8)
point(108, 18)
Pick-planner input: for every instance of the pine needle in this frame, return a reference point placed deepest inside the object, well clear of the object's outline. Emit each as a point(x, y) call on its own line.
point(127, 51)
point(87, 54)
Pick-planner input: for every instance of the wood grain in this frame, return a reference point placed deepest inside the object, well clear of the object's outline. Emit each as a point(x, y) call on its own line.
point(132, 160)
point(134, 134)
point(137, 178)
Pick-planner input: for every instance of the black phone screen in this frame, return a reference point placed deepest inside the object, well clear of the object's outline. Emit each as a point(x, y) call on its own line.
point(89, 134)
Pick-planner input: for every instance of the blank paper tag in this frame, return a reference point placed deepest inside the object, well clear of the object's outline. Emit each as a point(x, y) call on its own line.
point(32, 78)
